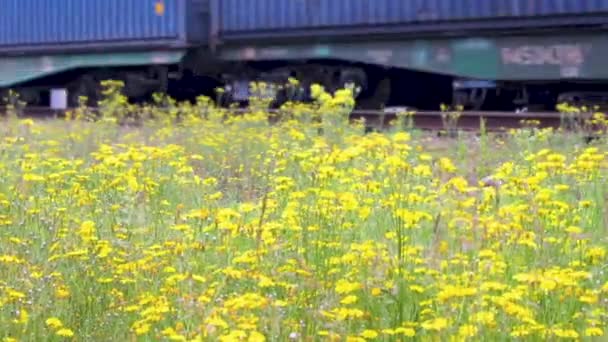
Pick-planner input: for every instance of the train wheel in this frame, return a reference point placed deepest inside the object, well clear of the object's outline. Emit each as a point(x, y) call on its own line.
point(84, 86)
point(472, 99)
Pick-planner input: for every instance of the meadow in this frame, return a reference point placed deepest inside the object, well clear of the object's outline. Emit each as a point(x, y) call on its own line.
point(195, 225)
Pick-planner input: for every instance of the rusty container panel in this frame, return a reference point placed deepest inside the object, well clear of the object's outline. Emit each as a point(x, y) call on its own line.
point(273, 18)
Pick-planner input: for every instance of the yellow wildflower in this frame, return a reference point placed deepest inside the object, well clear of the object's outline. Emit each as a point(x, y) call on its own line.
point(64, 332)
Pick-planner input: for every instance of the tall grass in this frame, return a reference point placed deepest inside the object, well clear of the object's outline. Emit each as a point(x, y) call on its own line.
point(198, 225)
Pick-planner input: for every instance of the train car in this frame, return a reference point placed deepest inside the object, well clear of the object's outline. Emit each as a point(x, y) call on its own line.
point(500, 54)
point(483, 54)
point(74, 44)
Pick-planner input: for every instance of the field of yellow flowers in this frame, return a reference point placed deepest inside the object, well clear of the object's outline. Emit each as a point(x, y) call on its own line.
point(218, 228)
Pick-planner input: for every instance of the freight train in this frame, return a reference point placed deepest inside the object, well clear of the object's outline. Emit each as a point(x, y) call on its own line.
point(499, 54)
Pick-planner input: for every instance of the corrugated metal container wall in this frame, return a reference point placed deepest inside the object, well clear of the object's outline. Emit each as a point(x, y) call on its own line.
point(198, 20)
point(35, 23)
point(252, 15)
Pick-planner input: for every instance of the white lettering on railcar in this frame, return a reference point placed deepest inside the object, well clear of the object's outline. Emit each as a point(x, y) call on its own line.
point(273, 52)
point(558, 54)
point(249, 53)
point(442, 55)
point(160, 58)
point(570, 71)
point(380, 56)
point(47, 64)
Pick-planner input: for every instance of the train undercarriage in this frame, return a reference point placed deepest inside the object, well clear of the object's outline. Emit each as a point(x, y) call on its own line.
point(381, 87)
point(506, 72)
point(377, 87)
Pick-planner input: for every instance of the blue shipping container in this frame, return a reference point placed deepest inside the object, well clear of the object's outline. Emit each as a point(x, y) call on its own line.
point(27, 25)
point(248, 16)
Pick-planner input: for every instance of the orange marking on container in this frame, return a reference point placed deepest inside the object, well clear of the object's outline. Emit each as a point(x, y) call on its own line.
point(159, 8)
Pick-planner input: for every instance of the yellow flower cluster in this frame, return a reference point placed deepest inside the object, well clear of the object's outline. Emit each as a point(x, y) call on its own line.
point(233, 229)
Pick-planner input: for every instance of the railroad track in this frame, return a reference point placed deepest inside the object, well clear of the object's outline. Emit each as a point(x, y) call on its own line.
point(467, 120)
point(428, 120)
